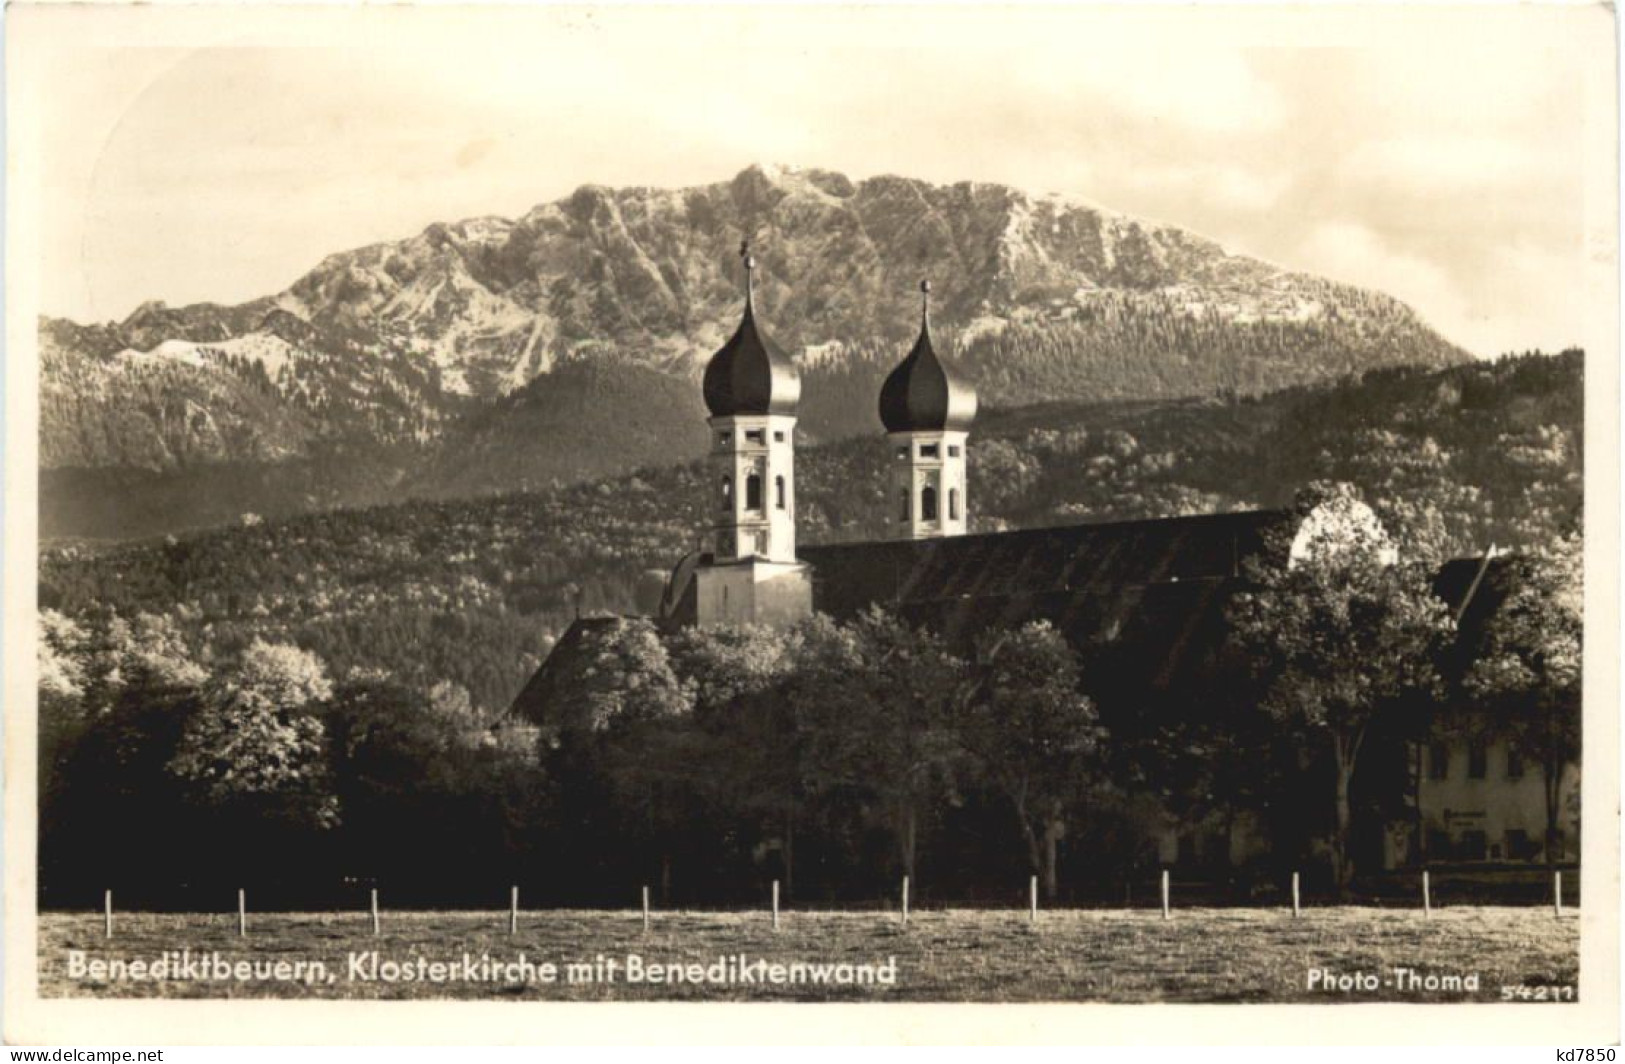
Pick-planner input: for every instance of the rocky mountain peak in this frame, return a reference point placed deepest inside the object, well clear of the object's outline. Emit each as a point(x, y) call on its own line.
point(1037, 297)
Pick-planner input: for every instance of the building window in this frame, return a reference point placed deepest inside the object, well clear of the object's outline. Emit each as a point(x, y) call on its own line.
point(778, 437)
point(755, 436)
point(928, 503)
point(1518, 847)
point(953, 450)
point(903, 500)
point(1438, 843)
point(929, 450)
point(780, 496)
point(1514, 763)
point(727, 492)
point(902, 452)
point(1474, 845)
point(1438, 761)
point(953, 504)
point(724, 439)
point(1478, 760)
point(753, 492)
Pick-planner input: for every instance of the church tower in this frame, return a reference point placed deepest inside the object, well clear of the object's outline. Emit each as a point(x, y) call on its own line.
point(927, 412)
point(749, 573)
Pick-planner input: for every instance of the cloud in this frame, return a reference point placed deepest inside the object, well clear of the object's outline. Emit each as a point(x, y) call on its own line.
point(1448, 165)
point(1525, 297)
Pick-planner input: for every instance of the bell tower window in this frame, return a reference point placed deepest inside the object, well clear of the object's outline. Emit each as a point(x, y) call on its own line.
point(903, 509)
point(779, 496)
point(753, 492)
point(953, 504)
point(928, 503)
point(727, 492)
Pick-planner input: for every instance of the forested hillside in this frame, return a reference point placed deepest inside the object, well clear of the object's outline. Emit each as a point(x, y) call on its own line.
point(470, 593)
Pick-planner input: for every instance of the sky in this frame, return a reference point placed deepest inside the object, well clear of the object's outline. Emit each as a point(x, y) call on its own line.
point(1441, 156)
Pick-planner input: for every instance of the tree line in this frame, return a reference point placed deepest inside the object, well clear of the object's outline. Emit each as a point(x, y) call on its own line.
point(834, 756)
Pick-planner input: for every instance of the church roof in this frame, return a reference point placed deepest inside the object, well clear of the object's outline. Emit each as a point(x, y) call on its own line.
point(751, 374)
point(545, 694)
point(922, 394)
point(1144, 600)
point(1155, 589)
point(1086, 558)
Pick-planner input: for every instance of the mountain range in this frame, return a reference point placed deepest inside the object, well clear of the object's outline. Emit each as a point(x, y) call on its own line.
point(496, 354)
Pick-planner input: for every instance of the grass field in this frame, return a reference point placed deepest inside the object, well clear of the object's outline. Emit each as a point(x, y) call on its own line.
point(1201, 955)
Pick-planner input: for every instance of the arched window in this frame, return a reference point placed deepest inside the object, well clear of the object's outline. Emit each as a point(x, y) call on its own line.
point(779, 498)
point(902, 498)
point(953, 504)
point(928, 503)
point(753, 492)
point(727, 492)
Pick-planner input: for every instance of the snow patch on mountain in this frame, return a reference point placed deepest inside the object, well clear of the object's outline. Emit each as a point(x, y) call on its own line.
point(271, 352)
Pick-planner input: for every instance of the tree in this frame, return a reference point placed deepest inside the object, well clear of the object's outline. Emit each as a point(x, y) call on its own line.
point(426, 785)
point(626, 734)
point(112, 708)
point(258, 745)
point(1034, 735)
point(1526, 670)
point(624, 676)
point(741, 677)
point(878, 696)
point(1341, 634)
point(62, 679)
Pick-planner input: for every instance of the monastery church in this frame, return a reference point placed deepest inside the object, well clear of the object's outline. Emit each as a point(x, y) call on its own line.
point(1143, 600)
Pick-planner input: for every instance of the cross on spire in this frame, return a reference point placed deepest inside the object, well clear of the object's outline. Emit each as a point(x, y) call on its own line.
point(925, 303)
point(750, 266)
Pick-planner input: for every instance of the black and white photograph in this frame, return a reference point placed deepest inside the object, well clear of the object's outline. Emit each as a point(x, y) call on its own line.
point(884, 506)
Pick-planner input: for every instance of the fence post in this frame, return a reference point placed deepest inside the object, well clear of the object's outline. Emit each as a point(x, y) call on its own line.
point(242, 912)
point(375, 911)
point(107, 907)
point(1032, 899)
point(1165, 894)
point(775, 905)
point(905, 901)
point(645, 908)
point(1427, 897)
point(1294, 894)
point(1557, 894)
point(513, 910)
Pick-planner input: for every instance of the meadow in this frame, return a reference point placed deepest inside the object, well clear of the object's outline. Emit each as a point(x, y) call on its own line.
point(1114, 956)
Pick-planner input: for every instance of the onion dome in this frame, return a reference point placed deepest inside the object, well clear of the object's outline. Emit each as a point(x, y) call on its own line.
point(751, 374)
point(921, 395)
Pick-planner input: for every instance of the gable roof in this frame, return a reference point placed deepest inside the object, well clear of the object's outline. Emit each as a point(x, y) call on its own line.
point(1089, 558)
point(1145, 599)
point(541, 693)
